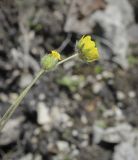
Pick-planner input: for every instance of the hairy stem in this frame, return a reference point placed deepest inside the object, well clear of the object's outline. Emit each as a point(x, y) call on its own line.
point(19, 99)
point(67, 59)
point(13, 107)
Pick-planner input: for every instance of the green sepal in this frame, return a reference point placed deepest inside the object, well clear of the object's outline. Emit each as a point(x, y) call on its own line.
point(48, 62)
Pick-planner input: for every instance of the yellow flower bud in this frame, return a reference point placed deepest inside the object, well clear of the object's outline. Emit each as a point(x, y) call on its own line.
point(49, 61)
point(87, 49)
point(56, 55)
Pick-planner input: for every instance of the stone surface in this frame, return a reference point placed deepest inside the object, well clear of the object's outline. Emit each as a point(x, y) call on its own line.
point(63, 146)
point(94, 153)
point(43, 116)
point(133, 34)
point(25, 80)
point(120, 95)
point(28, 156)
point(117, 134)
point(120, 133)
point(11, 131)
point(97, 87)
point(115, 27)
point(124, 151)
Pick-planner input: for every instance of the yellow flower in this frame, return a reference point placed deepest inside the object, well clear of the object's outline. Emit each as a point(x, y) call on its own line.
point(49, 61)
point(87, 49)
point(56, 55)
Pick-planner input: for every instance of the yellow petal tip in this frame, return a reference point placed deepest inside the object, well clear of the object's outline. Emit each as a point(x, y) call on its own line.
point(87, 49)
point(56, 55)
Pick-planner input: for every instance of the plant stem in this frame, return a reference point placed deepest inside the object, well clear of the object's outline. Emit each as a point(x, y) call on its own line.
point(13, 107)
point(19, 99)
point(67, 59)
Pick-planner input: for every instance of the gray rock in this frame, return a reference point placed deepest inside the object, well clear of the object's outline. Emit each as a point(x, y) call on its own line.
point(120, 95)
point(114, 21)
point(25, 79)
point(28, 156)
point(124, 151)
point(107, 74)
point(94, 152)
point(118, 134)
point(114, 112)
point(43, 116)
point(3, 97)
point(11, 131)
point(121, 132)
point(63, 146)
point(97, 87)
point(41, 96)
point(38, 157)
point(132, 94)
point(84, 119)
point(133, 34)
point(59, 117)
point(97, 134)
point(75, 152)
point(126, 10)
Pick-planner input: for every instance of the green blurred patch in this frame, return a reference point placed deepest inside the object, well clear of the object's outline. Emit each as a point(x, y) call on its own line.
point(72, 82)
point(98, 69)
point(67, 158)
point(132, 60)
point(36, 27)
point(101, 123)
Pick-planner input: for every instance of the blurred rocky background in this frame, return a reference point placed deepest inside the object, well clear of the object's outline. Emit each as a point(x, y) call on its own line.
point(80, 111)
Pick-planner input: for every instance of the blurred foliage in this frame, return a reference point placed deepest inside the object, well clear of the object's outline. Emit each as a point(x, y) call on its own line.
point(71, 82)
point(100, 123)
point(98, 69)
point(133, 60)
